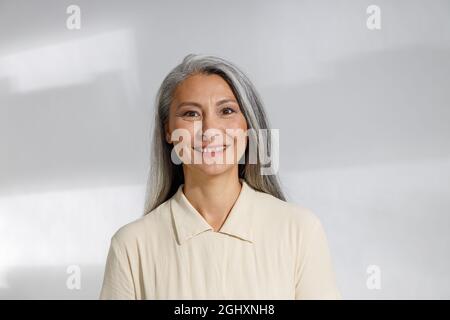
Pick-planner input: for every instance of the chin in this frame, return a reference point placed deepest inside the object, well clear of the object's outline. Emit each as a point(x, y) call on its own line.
point(213, 169)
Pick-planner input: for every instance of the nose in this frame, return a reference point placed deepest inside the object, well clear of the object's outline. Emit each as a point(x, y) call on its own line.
point(212, 129)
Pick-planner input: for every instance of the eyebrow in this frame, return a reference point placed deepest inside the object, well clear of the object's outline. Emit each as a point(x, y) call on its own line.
point(191, 103)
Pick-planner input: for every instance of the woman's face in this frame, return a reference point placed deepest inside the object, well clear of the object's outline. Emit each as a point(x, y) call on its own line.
point(206, 125)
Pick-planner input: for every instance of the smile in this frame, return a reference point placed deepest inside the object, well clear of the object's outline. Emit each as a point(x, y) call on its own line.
point(211, 149)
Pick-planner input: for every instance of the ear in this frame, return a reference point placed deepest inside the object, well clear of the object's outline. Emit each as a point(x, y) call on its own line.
point(167, 134)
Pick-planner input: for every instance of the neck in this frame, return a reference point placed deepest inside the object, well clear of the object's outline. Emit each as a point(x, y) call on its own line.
point(212, 196)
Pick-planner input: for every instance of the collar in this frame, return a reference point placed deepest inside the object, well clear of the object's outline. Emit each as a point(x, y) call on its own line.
point(189, 222)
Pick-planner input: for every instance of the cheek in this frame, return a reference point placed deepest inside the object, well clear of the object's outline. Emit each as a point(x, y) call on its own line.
point(176, 123)
point(179, 124)
point(239, 136)
point(241, 122)
point(237, 123)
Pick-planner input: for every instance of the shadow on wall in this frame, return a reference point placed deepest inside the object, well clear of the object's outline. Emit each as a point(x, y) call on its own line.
point(50, 283)
point(69, 112)
point(389, 106)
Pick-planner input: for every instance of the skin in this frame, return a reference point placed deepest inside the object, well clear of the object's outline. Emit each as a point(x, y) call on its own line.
point(212, 187)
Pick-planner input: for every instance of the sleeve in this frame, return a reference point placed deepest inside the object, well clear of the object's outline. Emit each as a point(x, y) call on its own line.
point(118, 280)
point(314, 272)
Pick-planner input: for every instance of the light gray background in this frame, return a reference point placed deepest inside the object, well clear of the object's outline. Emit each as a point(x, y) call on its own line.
point(363, 117)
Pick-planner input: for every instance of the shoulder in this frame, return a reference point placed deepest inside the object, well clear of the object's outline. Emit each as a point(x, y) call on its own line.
point(153, 224)
point(279, 212)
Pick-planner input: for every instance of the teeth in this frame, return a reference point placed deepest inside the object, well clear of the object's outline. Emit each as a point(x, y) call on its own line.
point(209, 150)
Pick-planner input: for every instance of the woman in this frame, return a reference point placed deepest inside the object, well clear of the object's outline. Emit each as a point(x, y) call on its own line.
point(217, 228)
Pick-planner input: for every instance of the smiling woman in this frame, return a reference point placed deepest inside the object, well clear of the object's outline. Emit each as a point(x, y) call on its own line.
point(215, 229)
point(207, 100)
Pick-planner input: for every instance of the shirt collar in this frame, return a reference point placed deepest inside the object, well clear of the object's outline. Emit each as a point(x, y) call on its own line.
point(189, 222)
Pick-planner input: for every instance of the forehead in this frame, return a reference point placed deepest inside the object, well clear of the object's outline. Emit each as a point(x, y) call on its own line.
point(202, 86)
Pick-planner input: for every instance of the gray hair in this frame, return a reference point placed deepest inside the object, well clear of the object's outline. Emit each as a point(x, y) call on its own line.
point(165, 177)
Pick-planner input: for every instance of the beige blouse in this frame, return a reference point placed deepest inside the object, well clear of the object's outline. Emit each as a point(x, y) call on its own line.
point(266, 249)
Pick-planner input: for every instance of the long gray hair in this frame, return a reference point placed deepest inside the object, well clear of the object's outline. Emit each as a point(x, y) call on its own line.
point(165, 176)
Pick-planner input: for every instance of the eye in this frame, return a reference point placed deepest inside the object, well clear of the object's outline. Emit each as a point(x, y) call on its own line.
point(191, 114)
point(228, 110)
